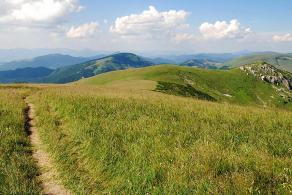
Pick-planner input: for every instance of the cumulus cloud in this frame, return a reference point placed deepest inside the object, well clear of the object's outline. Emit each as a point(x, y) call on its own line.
point(150, 23)
point(183, 37)
point(83, 31)
point(224, 30)
point(283, 38)
point(36, 11)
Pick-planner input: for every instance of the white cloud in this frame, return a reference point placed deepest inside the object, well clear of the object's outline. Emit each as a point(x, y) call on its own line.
point(183, 37)
point(283, 38)
point(83, 31)
point(224, 30)
point(150, 23)
point(36, 11)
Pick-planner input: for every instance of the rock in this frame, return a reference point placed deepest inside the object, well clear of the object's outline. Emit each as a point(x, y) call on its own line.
point(287, 84)
point(268, 73)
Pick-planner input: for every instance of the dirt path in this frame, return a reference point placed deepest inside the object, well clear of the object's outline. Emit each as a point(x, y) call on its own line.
point(50, 184)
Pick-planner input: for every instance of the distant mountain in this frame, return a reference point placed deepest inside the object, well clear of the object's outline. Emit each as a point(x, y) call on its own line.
point(207, 64)
point(51, 61)
point(224, 57)
point(8, 55)
point(58, 68)
point(281, 61)
point(160, 60)
point(83, 70)
point(24, 75)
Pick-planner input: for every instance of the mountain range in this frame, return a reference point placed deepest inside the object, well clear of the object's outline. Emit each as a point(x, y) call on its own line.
point(24, 75)
point(58, 68)
point(217, 57)
point(51, 61)
point(203, 63)
point(8, 55)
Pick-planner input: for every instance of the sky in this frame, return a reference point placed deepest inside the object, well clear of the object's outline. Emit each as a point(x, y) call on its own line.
point(149, 26)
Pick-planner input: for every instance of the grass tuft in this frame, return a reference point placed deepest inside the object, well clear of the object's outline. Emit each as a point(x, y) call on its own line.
point(18, 171)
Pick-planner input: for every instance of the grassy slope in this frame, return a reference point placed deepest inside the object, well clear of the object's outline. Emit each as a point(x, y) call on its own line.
point(17, 169)
point(138, 142)
point(282, 61)
point(123, 137)
point(244, 89)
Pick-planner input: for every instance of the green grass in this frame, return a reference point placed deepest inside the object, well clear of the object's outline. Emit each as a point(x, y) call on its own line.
point(119, 141)
point(231, 86)
point(18, 170)
point(116, 133)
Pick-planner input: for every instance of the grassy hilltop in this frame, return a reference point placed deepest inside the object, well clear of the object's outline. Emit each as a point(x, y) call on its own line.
point(233, 86)
point(154, 130)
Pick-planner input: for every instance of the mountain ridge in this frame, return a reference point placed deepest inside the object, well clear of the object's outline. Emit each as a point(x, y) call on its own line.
point(90, 68)
point(27, 74)
point(203, 63)
point(52, 61)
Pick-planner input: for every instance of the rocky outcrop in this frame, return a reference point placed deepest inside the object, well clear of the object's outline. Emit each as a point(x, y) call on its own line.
point(270, 74)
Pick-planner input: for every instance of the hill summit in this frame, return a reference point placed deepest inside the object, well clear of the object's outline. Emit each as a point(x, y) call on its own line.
point(91, 68)
point(232, 86)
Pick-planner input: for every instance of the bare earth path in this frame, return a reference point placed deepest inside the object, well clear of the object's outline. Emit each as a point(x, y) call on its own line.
point(50, 185)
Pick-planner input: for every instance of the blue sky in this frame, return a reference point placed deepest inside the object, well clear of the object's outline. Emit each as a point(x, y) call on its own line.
point(265, 15)
point(184, 26)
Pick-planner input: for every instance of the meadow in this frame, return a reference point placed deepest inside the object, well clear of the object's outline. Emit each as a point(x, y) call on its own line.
point(225, 86)
point(126, 141)
point(18, 171)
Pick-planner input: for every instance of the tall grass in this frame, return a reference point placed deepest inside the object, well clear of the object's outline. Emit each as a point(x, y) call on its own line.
point(232, 86)
point(138, 142)
point(17, 168)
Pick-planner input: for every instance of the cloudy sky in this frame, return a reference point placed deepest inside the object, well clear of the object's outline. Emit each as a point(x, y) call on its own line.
point(177, 26)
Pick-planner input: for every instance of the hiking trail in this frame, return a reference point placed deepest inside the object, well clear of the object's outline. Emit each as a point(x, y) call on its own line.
point(48, 173)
